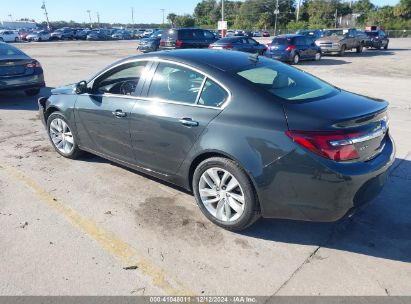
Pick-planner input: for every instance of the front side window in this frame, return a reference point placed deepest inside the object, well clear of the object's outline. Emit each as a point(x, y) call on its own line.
point(208, 35)
point(121, 81)
point(175, 83)
point(286, 82)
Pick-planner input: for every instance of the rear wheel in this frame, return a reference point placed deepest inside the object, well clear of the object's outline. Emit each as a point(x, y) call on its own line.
point(296, 59)
point(16, 39)
point(225, 194)
point(61, 136)
point(32, 92)
point(386, 47)
point(360, 48)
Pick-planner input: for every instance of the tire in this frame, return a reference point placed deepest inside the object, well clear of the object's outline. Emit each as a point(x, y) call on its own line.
point(16, 39)
point(242, 196)
point(386, 47)
point(295, 60)
point(359, 49)
point(40, 40)
point(56, 126)
point(32, 92)
point(342, 51)
point(317, 56)
point(1, 39)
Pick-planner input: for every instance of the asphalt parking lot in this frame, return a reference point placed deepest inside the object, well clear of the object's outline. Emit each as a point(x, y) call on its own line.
point(90, 227)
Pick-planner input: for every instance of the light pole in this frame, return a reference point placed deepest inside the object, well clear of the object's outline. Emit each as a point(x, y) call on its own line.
point(98, 18)
point(11, 17)
point(132, 16)
point(163, 11)
point(298, 10)
point(89, 17)
point(223, 30)
point(276, 12)
point(46, 13)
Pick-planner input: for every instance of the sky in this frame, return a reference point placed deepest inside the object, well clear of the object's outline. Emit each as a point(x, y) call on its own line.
point(111, 11)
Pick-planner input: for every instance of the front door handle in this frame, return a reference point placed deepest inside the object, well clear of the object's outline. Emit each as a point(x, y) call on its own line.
point(119, 114)
point(188, 122)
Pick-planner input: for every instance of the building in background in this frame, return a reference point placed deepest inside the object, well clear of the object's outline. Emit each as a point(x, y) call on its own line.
point(18, 25)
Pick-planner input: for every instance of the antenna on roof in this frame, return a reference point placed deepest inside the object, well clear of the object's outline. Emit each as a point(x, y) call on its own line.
point(254, 58)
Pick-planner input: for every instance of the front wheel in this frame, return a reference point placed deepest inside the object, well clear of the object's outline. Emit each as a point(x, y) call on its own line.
point(225, 194)
point(342, 51)
point(386, 47)
point(61, 136)
point(359, 48)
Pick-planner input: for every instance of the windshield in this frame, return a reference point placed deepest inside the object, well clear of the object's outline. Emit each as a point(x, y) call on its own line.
point(286, 82)
point(329, 33)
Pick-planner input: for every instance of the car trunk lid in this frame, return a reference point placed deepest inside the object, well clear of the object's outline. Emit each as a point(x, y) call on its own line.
point(15, 66)
point(349, 120)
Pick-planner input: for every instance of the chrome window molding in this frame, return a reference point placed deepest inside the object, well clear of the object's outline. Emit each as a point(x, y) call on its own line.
point(156, 59)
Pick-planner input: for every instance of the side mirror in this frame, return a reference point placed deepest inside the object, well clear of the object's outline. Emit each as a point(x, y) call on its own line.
point(81, 87)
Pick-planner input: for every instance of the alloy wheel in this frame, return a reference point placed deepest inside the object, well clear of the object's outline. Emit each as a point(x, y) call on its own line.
point(61, 136)
point(221, 194)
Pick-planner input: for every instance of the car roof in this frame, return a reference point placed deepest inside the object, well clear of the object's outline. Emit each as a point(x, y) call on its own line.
point(289, 36)
point(201, 58)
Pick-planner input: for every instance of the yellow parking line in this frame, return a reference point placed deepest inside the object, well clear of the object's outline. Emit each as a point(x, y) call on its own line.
point(106, 239)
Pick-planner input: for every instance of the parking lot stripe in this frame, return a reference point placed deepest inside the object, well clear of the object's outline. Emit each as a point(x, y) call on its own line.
point(123, 251)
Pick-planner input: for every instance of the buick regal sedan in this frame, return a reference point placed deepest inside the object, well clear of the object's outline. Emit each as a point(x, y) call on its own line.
point(249, 136)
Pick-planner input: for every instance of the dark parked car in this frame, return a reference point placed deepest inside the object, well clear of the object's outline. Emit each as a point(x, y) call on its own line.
point(19, 71)
point(377, 39)
point(265, 34)
point(248, 135)
point(62, 34)
point(293, 48)
point(186, 39)
point(97, 35)
point(242, 44)
point(150, 44)
point(121, 35)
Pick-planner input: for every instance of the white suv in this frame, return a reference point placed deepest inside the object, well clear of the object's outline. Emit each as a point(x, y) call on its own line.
point(9, 36)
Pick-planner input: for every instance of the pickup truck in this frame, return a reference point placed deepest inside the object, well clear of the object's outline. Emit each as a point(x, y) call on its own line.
point(340, 40)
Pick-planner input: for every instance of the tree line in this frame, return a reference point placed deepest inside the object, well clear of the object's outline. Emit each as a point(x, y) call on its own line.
point(260, 14)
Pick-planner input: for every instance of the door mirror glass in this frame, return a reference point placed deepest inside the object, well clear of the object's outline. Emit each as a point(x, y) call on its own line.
point(81, 87)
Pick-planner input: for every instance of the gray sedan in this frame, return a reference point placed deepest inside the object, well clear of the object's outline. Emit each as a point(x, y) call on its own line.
point(249, 136)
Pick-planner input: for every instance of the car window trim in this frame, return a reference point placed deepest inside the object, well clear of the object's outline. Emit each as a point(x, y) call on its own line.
point(152, 66)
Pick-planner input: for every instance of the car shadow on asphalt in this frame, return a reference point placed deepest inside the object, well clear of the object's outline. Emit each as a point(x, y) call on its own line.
point(324, 61)
point(382, 229)
point(17, 100)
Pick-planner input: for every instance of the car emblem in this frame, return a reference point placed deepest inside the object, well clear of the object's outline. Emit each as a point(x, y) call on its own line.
point(9, 63)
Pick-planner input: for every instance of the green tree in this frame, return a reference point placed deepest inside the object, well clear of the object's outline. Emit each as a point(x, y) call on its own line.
point(184, 21)
point(265, 20)
point(403, 9)
point(172, 18)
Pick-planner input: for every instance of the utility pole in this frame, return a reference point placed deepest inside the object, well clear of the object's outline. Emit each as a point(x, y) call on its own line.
point(89, 17)
point(276, 12)
point(46, 13)
point(11, 17)
point(98, 18)
point(163, 11)
point(132, 16)
point(336, 17)
point(298, 10)
point(223, 31)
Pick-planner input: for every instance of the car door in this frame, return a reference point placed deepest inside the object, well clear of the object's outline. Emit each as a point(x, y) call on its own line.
point(168, 120)
point(103, 115)
point(311, 47)
point(253, 46)
point(301, 47)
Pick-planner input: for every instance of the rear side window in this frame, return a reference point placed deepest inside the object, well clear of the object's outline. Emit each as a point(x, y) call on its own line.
point(208, 35)
point(212, 95)
point(175, 83)
point(285, 82)
point(7, 50)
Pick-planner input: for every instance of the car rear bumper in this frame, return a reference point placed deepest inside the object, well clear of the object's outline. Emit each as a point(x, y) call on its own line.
point(307, 187)
point(22, 83)
point(283, 56)
point(146, 48)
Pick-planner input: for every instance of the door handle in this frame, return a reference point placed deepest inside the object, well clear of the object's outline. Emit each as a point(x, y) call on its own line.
point(188, 122)
point(119, 114)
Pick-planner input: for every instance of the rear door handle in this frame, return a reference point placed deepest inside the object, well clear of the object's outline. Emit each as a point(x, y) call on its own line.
point(119, 114)
point(188, 122)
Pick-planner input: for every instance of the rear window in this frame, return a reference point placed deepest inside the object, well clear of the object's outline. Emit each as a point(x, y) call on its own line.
point(7, 50)
point(286, 82)
point(282, 41)
point(170, 34)
point(371, 34)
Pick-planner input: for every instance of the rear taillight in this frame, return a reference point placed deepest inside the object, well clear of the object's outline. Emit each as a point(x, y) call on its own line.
point(33, 64)
point(179, 43)
point(228, 47)
point(162, 43)
point(268, 46)
point(334, 145)
point(290, 48)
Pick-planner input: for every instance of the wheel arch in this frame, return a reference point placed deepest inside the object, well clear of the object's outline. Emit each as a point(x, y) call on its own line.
point(210, 154)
